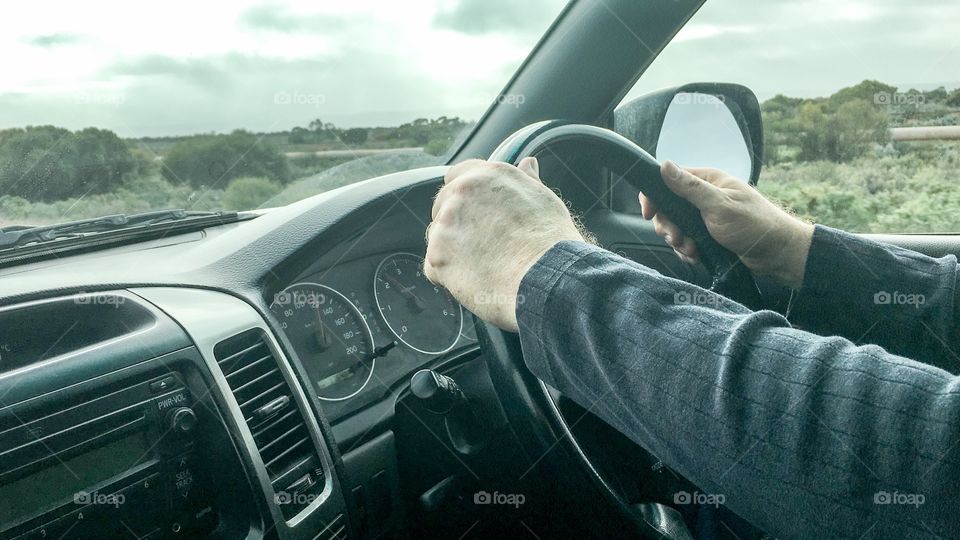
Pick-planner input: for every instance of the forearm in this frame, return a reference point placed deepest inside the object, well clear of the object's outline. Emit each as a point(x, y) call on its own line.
point(875, 293)
point(797, 431)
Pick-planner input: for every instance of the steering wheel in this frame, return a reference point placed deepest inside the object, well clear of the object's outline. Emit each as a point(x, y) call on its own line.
point(531, 406)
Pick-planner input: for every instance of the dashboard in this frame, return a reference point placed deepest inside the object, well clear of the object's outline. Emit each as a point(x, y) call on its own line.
point(222, 382)
point(255, 380)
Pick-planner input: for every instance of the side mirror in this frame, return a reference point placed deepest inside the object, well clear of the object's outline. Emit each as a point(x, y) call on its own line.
point(698, 125)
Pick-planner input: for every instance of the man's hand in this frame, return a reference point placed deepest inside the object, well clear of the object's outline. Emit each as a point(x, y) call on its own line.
point(491, 223)
point(768, 240)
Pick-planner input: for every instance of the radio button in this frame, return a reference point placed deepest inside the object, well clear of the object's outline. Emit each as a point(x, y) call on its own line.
point(164, 384)
point(44, 532)
point(143, 503)
point(182, 420)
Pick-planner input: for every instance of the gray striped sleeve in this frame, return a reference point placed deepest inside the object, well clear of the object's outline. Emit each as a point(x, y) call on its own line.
point(803, 435)
point(875, 293)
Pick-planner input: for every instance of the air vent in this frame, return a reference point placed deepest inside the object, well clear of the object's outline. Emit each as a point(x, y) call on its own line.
point(274, 418)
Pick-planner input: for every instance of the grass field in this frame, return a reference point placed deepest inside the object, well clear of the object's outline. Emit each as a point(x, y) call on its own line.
point(913, 189)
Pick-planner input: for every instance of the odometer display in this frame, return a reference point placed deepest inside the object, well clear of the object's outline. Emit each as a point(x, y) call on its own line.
point(330, 336)
point(422, 315)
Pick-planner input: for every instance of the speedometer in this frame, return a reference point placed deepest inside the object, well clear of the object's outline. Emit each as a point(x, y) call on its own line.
point(422, 315)
point(330, 336)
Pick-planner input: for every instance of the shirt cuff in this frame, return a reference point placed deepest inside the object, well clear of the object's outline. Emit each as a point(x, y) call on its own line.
point(540, 280)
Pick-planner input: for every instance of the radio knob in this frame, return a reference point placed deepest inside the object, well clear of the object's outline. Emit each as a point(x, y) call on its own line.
point(182, 420)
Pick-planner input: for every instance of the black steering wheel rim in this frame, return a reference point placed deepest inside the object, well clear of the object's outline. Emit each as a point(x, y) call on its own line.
point(531, 409)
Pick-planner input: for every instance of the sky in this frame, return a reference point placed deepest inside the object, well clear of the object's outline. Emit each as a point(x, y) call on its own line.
point(202, 66)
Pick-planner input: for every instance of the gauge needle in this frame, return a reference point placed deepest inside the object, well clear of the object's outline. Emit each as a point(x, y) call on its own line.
point(322, 335)
point(407, 292)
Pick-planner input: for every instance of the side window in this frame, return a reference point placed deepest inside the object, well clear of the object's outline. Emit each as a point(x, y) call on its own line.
point(860, 101)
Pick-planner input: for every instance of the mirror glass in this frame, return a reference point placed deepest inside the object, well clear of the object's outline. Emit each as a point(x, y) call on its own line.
point(700, 131)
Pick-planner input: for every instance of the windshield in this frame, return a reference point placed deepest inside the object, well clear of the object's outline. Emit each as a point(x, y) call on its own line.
point(120, 107)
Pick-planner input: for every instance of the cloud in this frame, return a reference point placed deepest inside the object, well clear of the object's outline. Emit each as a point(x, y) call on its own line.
point(479, 17)
point(54, 40)
point(279, 19)
point(214, 74)
point(377, 63)
point(811, 47)
point(158, 95)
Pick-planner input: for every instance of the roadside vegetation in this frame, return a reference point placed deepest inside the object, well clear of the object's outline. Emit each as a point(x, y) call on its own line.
point(829, 159)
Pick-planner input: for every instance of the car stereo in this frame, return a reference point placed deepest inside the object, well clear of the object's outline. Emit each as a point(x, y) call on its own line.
point(111, 461)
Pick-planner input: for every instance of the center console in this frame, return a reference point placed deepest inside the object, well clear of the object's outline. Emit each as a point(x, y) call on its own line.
point(123, 464)
point(135, 415)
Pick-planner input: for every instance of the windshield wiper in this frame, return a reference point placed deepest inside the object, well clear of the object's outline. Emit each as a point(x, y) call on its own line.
point(18, 235)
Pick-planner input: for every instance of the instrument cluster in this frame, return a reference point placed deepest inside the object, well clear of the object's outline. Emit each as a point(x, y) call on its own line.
point(359, 326)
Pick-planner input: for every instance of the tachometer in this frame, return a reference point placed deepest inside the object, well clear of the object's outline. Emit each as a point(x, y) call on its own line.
point(330, 336)
point(422, 315)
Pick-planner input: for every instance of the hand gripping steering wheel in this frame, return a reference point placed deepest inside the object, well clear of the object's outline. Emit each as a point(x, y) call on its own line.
point(531, 406)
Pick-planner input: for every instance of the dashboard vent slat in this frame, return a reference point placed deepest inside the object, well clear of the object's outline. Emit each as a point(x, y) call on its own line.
point(282, 438)
point(261, 398)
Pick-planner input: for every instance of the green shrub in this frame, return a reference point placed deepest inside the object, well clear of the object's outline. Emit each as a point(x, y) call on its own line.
point(437, 147)
point(894, 193)
point(215, 160)
point(48, 163)
point(142, 194)
point(249, 193)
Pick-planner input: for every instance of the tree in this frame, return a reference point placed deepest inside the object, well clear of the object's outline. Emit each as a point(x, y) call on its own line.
point(49, 163)
point(874, 92)
point(840, 136)
point(298, 135)
point(214, 160)
point(936, 95)
point(953, 100)
point(422, 130)
point(355, 136)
